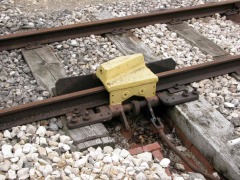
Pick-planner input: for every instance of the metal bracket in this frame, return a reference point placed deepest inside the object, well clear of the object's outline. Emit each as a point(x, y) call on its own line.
point(175, 21)
point(234, 10)
point(172, 100)
point(236, 75)
point(33, 45)
point(150, 114)
point(230, 12)
point(233, 14)
point(177, 88)
point(136, 108)
point(117, 110)
point(80, 117)
point(237, 6)
point(118, 31)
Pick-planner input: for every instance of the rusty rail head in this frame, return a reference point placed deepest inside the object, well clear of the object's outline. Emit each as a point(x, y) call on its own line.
point(222, 65)
point(52, 107)
point(44, 36)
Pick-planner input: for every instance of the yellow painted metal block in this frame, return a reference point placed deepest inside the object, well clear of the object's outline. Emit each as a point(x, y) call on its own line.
point(127, 76)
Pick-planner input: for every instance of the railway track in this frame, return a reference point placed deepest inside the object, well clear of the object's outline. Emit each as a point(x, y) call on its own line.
point(97, 96)
point(117, 25)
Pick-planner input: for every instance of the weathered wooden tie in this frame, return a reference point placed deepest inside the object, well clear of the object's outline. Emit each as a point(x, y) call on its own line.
point(93, 135)
point(126, 42)
point(196, 39)
point(45, 66)
point(47, 69)
point(209, 132)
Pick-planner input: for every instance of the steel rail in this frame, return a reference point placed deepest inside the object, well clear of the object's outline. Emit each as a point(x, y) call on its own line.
point(98, 96)
point(222, 65)
point(45, 36)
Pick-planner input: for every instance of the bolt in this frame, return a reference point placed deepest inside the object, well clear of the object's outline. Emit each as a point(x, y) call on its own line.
point(195, 92)
point(74, 120)
point(86, 116)
point(76, 111)
point(185, 93)
point(176, 86)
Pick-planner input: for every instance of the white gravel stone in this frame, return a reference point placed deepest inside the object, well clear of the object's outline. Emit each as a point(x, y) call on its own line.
point(107, 159)
point(124, 153)
point(15, 159)
point(136, 161)
point(42, 151)
point(178, 178)
point(12, 174)
point(31, 129)
point(17, 150)
point(42, 141)
point(64, 147)
point(165, 162)
point(74, 43)
point(15, 131)
point(146, 156)
point(238, 87)
point(229, 105)
point(65, 139)
point(87, 177)
point(41, 131)
point(141, 176)
point(107, 149)
point(15, 167)
point(215, 174)
point(185, 176)
point(2, 177)
point(153, 177)
point(7, 134)
point(181, 148)
point(7, 151)
point(32, 173)
point(5, 165)
point(116, 151)
point(104, 176)
point(32, 156)
point(81, 162)
point(163, 175)
point(23, 173)
point(28, 148)
point(45, 170)
point(42, 162)
point(179, 167)
point(115, 158)
point(53, 126)
point(77, 155)
point(144, 166)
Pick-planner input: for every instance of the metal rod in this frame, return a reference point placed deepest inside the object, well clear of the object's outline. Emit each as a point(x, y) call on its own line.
point(173, 148)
